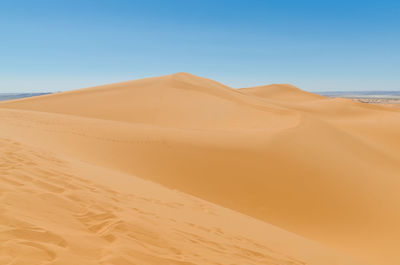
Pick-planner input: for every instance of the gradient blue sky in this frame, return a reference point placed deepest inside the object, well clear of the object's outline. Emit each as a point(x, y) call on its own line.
point(316, 45)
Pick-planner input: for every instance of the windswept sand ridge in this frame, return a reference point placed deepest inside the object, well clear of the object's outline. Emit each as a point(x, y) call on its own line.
point(57, 211)
point(326, 169)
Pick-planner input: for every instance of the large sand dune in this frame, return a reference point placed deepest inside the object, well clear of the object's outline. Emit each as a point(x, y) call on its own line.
point(325, 169)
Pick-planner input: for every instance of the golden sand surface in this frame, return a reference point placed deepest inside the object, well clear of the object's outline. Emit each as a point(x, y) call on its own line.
point(181, 169)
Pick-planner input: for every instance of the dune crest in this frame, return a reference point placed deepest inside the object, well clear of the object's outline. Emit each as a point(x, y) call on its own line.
point(177, 101)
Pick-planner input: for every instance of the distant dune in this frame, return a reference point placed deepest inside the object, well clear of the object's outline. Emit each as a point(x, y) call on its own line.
point(281, 92)
point(90, 162)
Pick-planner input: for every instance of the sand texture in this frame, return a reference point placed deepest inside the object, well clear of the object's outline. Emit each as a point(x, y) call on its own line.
point(181, 169)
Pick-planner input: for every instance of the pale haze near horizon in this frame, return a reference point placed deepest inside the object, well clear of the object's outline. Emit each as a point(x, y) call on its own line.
point(330, 46)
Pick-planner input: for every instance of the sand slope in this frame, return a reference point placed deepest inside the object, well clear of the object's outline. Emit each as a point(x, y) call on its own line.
point(58, 211)
point(327, 169)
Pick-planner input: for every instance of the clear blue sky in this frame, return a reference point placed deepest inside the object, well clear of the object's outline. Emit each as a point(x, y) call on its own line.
point(317, 45)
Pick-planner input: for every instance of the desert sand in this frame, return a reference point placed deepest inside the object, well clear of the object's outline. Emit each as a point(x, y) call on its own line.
point(181, 169)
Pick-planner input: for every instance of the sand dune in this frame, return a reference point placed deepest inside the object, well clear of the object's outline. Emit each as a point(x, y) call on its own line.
point(178, 101)
point(325, 169)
